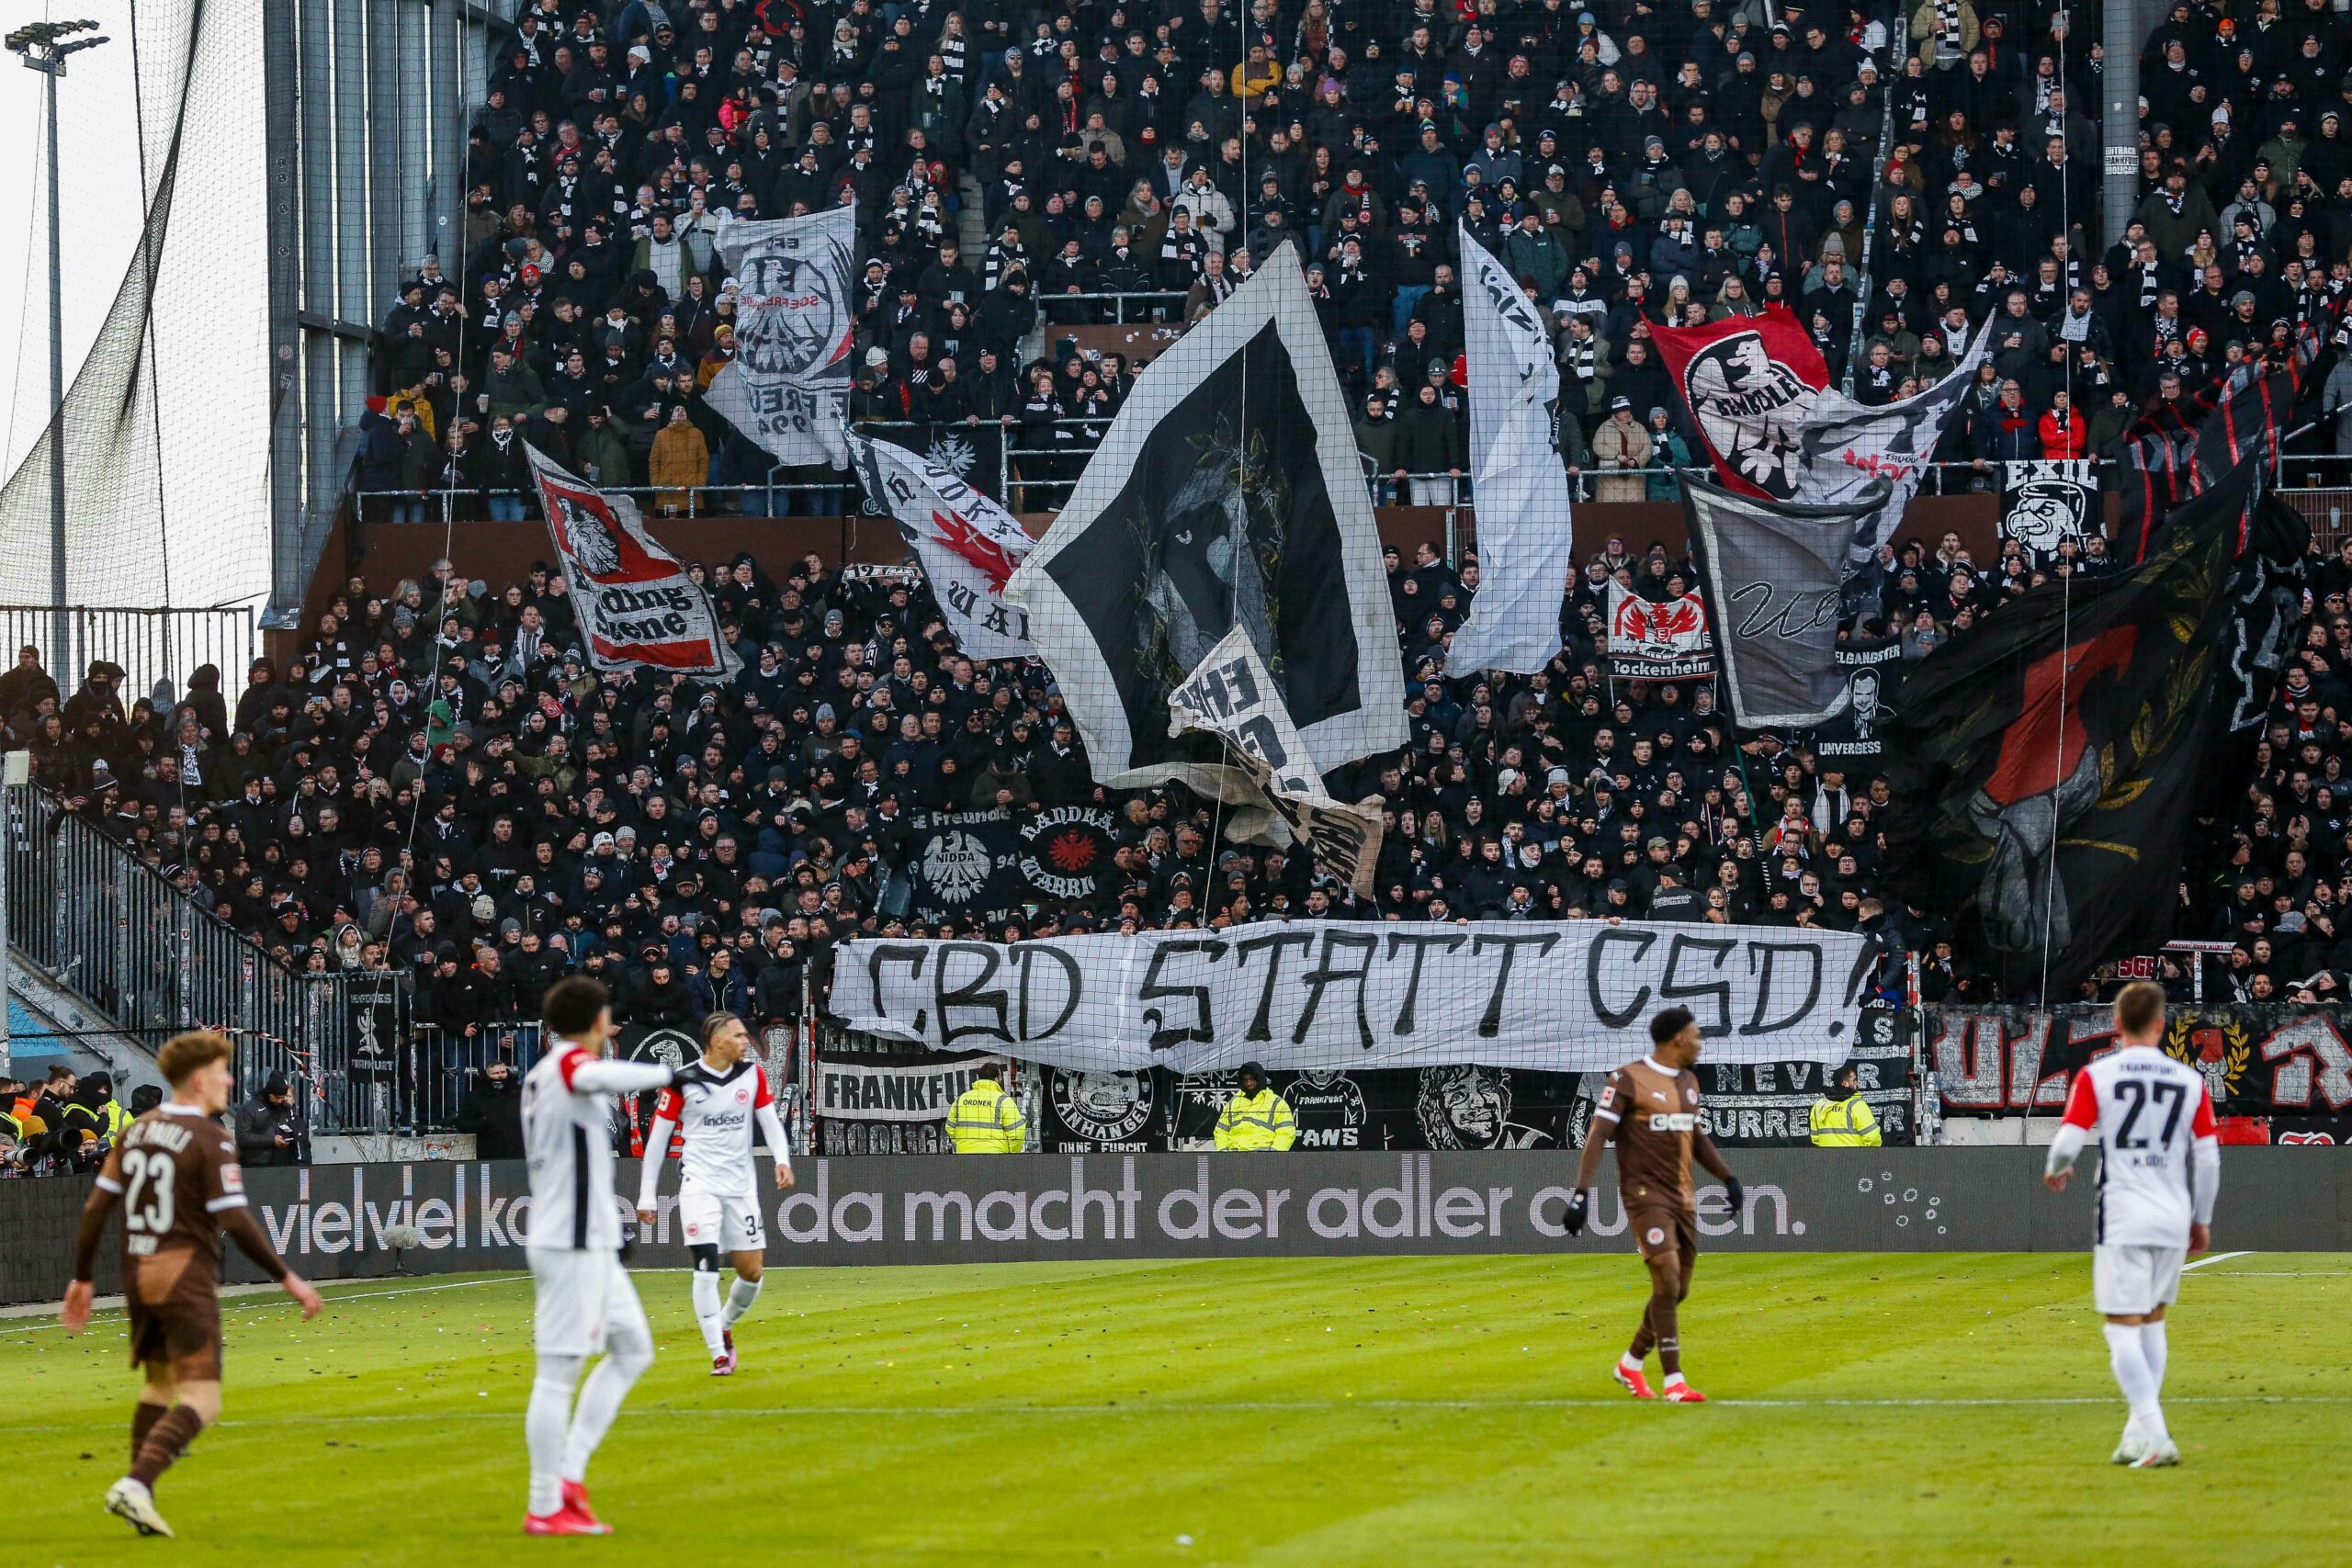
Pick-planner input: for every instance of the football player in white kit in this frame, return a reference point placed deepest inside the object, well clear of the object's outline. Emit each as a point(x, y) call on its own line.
point(2160, 1165)
point(586, 1306)
point(719, 1190)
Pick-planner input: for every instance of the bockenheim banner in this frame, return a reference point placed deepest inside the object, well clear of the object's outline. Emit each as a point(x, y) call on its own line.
point(787, 387)
point(1571, 995)
point(968, 545)
point(1658, 639)
point(637, 605)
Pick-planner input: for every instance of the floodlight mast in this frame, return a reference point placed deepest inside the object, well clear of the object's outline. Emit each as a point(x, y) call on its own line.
point(45, 47)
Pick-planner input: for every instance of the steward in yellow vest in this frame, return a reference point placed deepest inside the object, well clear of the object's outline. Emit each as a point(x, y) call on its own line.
point(987, 1120)
point(1842, 1119)
point(1256, 1118)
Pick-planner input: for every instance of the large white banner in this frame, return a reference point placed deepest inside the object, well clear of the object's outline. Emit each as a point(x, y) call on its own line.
point(969, 545)
point(637, 605)
point(787, 387)
point(1571, 995)
point(1848, 447)
point(1526, 549)
point(1232, 696)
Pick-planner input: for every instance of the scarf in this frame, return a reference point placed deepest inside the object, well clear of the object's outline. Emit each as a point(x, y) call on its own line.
point(1578, 356)
point(1948, 27)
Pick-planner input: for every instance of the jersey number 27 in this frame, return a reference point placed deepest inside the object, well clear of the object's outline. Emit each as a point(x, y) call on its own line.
point(2136, 1098)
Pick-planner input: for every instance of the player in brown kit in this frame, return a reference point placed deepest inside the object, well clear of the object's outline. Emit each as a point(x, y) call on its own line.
point(1650, 1109)
point(176, 1175)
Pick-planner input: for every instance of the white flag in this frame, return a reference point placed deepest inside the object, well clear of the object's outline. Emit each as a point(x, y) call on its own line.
point(1526, 549)
point(1232, 695)
point(969, 544)
point(787, 387)
point(1847, 447)
point(637, 605)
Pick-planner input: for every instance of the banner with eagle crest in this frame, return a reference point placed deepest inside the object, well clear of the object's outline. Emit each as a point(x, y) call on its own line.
point(787, 387)
point(638, 608)
point(1658, 639)
point(969, 545)
point(1749, 382)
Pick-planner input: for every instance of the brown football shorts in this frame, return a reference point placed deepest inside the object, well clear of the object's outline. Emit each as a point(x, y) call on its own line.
point(1665, 1232)
point(175, 1309)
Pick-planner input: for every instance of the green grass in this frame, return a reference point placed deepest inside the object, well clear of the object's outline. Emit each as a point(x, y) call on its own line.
point(1896, 1409)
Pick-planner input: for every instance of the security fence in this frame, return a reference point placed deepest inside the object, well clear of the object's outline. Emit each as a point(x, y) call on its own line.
point(153, 647)
point(119, 935)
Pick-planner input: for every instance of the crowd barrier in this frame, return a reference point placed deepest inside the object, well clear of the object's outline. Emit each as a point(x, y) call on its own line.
point(334, 1221)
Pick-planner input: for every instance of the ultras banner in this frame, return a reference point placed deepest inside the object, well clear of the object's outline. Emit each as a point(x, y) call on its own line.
point(637, 605)
point(1846, 448)
point(1568, 997)
point(787, 387)
point(2268, 1060)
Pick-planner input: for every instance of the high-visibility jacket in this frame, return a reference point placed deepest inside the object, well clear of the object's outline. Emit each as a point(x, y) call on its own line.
point(1256, 1121)
point(987, 1120)
point(1848, 1124)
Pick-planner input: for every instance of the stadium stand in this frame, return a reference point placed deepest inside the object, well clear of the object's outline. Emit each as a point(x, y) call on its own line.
point(440, 783)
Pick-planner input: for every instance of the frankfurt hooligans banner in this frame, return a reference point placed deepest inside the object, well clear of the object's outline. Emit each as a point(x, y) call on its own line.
point(2045, 767)
point(1526, 551)
point(1232, 696)
point(1226, 493)
point(1868, 666)
point(637, 605)
point(1658, 641)
point(1749, 381)
point(968, 545)
point(1320, 996)
point(876, 1088)
point(787, 387)
point(2045, 503)
point(376, 1010)
point(1775, 572)
point(1845, 446)
point(988, 867)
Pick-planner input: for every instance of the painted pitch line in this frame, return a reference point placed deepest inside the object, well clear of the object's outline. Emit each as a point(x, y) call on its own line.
point(246, 1294)
point(1241, 1407)
point(2213, 1258)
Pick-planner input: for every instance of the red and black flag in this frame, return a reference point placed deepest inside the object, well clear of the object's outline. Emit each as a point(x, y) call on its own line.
point(2045, 766)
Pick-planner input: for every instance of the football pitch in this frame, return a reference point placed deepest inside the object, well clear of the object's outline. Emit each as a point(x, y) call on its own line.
point(1911, 1408)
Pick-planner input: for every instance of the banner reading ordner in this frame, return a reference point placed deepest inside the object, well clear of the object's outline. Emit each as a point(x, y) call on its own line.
point(1569, 996)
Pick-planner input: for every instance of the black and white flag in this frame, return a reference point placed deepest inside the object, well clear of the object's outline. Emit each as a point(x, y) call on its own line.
point(1846, 449)
point(1232, 698)
point(1226, 494)
point(376, 1023)
point(787, 387)
point(1774, 572)
point(969, 545)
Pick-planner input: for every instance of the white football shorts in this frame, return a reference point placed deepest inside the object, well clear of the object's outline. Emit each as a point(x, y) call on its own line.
point(586, 1304)
point(2130, 1281)
point(728, 1221)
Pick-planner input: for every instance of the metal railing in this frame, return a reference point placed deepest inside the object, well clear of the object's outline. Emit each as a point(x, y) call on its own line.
point(1087, 309)
point(114, 933)
point(153, 647)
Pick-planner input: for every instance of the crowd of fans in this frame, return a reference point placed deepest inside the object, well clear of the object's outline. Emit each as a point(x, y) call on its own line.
point(1634, 162)
point(439, 783)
